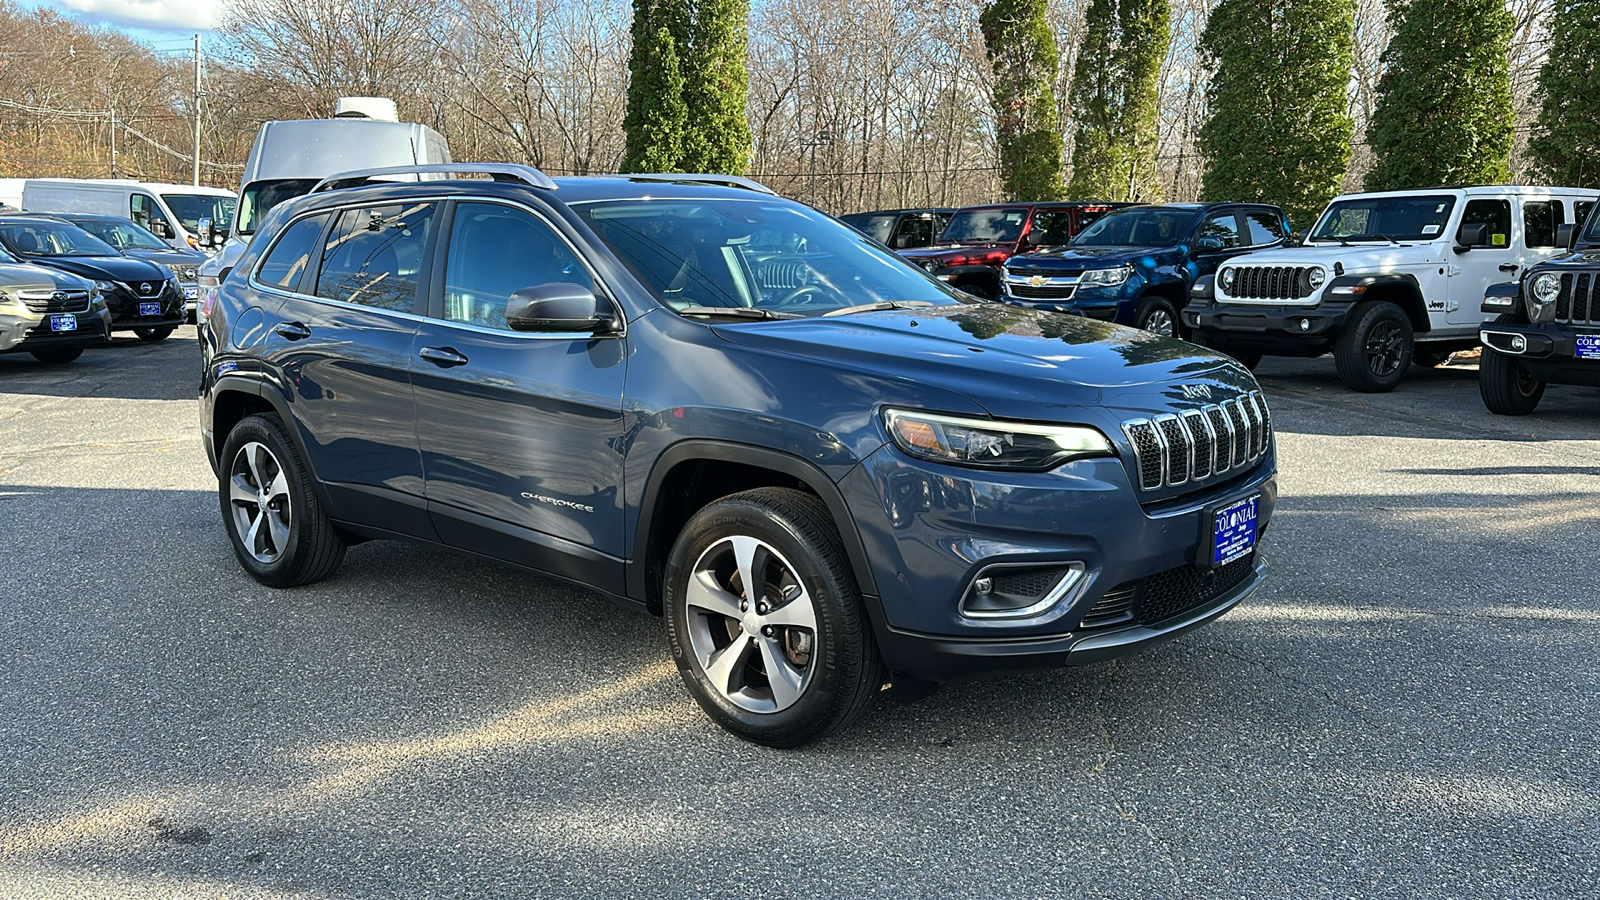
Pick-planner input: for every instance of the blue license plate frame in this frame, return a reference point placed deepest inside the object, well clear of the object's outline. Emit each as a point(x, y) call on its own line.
point(1232, 530)
point(66, 322)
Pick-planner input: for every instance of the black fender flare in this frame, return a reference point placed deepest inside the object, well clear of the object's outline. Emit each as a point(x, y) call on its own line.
point(1355, 289)
point(802, 470)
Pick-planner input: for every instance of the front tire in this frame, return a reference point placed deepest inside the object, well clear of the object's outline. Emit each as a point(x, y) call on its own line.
point(152, 335)
point(278, 530)
point(1158, 316)
point(1505, 385)
point(57, 357)
point(791, 661)
point(1375, 348)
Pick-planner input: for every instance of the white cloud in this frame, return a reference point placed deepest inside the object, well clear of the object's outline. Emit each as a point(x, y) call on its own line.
point(172, 15)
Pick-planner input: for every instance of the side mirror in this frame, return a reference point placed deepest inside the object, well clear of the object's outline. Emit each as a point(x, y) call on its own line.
point(1295, 239)
point(558, 307)
point(1566, 236)
point(160, 228)
point(1469, 236)
point(205, 231)
point(1207, 244)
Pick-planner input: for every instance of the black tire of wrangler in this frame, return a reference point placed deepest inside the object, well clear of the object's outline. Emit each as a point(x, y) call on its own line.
point(1350, 350)
point(1506, 387)
point(315, 548)
point(57, 357)
point(851, 672)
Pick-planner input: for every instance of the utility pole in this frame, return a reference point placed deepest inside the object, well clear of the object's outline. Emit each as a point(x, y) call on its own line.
point(111, 113)
point(197, 110)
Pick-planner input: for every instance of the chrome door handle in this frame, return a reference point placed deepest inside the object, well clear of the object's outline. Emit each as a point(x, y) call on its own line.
point(442, 356)
point(293, 331)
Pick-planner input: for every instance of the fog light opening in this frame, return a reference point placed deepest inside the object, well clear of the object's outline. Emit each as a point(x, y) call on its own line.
point(1519, 344)
point(1009, 591)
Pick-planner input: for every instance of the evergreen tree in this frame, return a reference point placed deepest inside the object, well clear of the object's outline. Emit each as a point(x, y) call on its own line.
point(657, 119)
point(1022, 52)
point(1114, 100)
point(688, 55)
point(1566, 136)
point(1444, 102)
point(1278, 129)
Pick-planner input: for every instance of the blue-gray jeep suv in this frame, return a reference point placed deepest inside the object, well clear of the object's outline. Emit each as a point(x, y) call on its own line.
point(824, 468)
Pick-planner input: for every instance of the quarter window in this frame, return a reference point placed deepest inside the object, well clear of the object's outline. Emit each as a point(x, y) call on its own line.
point(290, 257)
point(1539, 221)
point(1580, 211)
point(496, 251)
point(373, 255)
point(1265, 228)
point(1224, 227)
point(1494, 213)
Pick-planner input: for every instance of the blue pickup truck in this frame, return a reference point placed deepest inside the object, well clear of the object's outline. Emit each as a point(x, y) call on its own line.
point(1135, 266)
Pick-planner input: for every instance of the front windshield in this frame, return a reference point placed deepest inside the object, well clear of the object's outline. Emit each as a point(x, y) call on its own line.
point(767, 254)
point(1385, 219)
point(122, 235)
point(989, 226)
point(879, 228)
point(40, 238)
point(191, 208)
point(259, 197)
point(6, 257)
point(1150, 226)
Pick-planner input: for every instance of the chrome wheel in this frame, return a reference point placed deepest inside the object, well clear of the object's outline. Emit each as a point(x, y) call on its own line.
point(752, 626)
point(258, 496)
point(1160, 322)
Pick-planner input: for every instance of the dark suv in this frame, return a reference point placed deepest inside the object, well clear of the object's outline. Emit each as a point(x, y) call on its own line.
point(824, 468)
point(1547, 328)
point(901, 229)
point(979, 239)
point(143, 297)
point(1136, 266)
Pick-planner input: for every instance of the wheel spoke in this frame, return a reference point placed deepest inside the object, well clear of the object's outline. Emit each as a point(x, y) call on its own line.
point(704, 593)
point(252, 458)
point(751, 556)
point(722, 664)
point(240, 491)
point(797, 613)
point(784, 678)
point(252, 539)
point(277, 529)
point(279, 486)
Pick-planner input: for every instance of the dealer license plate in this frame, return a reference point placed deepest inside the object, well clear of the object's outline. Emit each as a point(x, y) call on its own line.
point(150, 309)
point(1589, 346)
point(63, 323)
point(1233, 530)
point(190, 292)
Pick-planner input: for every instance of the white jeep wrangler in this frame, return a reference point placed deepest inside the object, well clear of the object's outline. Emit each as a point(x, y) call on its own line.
point(1384, 280)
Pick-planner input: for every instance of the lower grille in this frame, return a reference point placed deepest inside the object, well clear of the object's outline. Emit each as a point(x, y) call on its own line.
point(1203, 443)
point(1113, 608)
point(55, 301)
point(1174, 592)
point(1046, 292)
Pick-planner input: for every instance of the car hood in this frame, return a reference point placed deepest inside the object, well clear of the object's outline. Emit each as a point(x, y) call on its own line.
point(114, 268)
point(1076, 259)
point(937, 251)
point(169, 257)
point(22, 277)
point(1016, 363)
point(1355, 258)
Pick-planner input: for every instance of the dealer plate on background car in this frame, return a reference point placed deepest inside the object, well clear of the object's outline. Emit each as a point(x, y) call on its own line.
point(1588, 346)
point(1233, 530)
point(63, 323)
point(190, 291)
point(150, 309)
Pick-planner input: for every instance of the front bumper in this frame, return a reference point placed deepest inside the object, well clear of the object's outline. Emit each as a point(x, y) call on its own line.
point(25, 332)
point(1275, 330)
point(931, 531)
point(1549, 352)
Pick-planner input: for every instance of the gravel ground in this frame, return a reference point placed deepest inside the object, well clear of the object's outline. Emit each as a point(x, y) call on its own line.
point(1407, 709)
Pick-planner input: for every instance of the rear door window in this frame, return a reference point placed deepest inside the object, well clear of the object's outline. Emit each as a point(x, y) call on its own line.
point(1265, 228)
point(1539, 221)
point(286, 263)
point(373, 255)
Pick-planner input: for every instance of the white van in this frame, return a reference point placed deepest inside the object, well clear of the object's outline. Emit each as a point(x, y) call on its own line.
point(176, 213)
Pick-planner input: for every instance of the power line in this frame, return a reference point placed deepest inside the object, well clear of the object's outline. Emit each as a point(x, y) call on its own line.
point(97, 114)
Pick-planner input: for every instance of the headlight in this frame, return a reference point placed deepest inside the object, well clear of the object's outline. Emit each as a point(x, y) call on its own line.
point(1316, 276)
point(1105, 277)
point(105, 287)
point(1542, 294)
point(992, 445)
point(1227, 279)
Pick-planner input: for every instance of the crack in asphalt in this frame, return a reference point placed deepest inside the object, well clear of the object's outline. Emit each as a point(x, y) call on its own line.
point(1356, 714)
point(1098, 770)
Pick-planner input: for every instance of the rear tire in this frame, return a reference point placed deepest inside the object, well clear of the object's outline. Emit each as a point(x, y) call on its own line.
point(154, 334)
point(278, 529)
point(796, 661)
point(1375, 348)
point(1157, 315)
point(57, 357)
point(1505, 385)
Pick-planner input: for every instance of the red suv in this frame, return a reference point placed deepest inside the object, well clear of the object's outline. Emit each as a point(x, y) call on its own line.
point(979, 239)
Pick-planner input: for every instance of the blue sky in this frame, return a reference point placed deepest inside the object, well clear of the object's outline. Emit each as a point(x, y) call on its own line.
point(161, 22)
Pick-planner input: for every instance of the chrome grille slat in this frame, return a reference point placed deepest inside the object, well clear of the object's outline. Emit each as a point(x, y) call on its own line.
point(1196, 445)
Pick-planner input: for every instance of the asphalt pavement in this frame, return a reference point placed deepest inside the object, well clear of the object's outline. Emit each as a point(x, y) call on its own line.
point(1407, 709)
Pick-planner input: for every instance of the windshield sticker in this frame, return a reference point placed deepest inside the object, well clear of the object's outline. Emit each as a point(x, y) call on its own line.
point(1430, 229)
point(1440, 208)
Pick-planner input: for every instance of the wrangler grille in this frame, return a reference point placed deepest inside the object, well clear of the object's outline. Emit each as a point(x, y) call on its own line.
point(1175, 449)
point(1270, 283)
point(55, 301)
point(1577, 303)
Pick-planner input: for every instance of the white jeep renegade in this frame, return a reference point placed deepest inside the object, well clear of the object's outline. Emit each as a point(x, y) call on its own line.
point(1384, 280)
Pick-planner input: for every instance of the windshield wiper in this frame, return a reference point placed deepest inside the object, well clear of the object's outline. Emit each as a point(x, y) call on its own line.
point(737, 312)
point(881, 304)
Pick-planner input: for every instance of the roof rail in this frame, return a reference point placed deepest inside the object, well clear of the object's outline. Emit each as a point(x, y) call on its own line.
point(737, 181)
point(498, 171)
